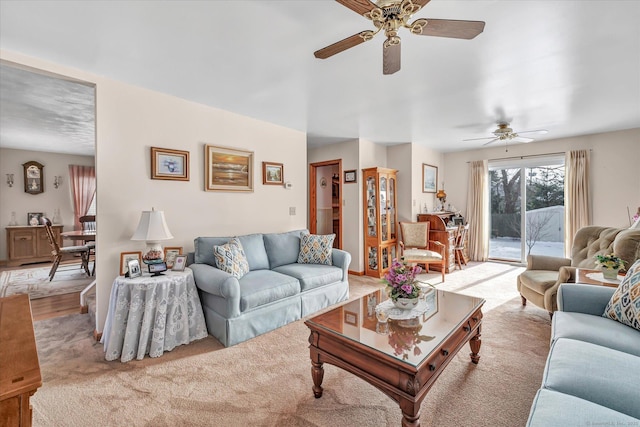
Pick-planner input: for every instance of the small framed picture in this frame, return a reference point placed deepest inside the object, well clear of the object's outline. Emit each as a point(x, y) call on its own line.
point(350, 176)
point(170, 255)
point(169, 164)
point(272, 173)
point(429, 178)
point(34, 218)
point(351, 318)
point(125, 257)
point(179, 263)
point(134, 268)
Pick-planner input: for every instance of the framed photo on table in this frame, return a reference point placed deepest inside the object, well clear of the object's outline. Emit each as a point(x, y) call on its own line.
point(134, 268)
point(429, 178)
point(272, 173)
point(180, 263)
point(34, 218)
point(125, 257)
point(227, 169)
point(170, 255)
point(169, 164)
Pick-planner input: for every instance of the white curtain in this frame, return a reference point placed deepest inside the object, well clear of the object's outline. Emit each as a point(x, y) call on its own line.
point(577, 195)
point(478, 210)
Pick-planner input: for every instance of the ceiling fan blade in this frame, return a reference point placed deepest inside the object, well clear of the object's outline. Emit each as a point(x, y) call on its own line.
point(390, 57)
point(493, 140)
point(422, 3)
point(522, 139)
point(338, 47)
point(536, 132)
point(479, 139)
point(452, 28)
point(358, 6)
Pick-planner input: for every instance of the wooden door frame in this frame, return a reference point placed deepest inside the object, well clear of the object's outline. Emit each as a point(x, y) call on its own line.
point(313, 196)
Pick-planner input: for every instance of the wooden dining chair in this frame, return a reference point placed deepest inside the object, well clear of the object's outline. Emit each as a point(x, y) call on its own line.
point(88, 223)
point(460, 240)
point(416, 248)
point(57, 252)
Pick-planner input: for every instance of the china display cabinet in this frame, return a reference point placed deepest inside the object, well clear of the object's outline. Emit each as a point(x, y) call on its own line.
point(380, 219)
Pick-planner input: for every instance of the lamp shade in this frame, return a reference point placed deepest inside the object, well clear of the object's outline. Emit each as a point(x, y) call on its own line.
point(152, 227)
point(441, 194)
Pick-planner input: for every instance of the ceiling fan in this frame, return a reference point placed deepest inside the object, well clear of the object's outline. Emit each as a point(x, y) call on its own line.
point(505, 133)
point(390, 16)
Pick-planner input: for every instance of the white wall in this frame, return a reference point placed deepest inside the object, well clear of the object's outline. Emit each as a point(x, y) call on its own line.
point(615, 171)
point(129, 121)
point(14, 199)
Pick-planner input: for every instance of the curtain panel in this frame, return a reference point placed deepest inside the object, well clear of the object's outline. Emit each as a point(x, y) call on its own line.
point(577, 195)
point(478, 210)
point(83, 186)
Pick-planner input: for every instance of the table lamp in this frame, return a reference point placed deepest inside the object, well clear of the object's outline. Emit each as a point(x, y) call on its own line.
point(152, 228)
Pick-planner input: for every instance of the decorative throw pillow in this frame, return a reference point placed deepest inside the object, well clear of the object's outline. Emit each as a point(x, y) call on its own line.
point(231, 258)
point(624, 305)
point(315, 248)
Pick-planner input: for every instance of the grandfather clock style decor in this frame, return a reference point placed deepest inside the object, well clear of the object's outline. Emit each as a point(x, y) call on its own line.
point(380, 219)
point(33, 177)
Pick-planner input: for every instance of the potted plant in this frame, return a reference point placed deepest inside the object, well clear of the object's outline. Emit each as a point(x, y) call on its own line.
point(609, 264)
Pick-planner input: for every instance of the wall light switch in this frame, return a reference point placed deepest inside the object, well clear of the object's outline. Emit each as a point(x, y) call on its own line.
point(292, 210)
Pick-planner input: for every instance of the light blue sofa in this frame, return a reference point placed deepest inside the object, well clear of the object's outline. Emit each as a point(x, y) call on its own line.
point(276, 291)
point(592, 375)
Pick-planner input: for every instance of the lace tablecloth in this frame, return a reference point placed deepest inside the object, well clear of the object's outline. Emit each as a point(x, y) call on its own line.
point(396, 313)
point(151, 315)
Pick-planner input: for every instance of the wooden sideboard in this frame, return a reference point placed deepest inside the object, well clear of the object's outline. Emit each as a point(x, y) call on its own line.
point(19, 366)
point(439, 232)
point(29, 243)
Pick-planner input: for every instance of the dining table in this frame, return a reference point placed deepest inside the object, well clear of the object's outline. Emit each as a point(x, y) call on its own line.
point(84, 235)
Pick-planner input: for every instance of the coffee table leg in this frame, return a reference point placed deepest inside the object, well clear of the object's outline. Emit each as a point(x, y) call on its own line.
point(474, 343)
point(410, 413)
point(317, 373)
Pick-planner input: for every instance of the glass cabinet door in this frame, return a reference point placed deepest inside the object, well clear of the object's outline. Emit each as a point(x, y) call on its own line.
point(384, 225)
point(392, 208)
point(371, 207)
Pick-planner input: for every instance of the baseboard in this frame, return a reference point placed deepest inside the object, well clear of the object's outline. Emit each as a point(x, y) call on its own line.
point(97, 335)
point(84, 309)
point(356, 273)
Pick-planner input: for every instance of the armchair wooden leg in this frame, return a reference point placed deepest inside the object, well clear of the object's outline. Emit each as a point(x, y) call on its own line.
point(524, 300)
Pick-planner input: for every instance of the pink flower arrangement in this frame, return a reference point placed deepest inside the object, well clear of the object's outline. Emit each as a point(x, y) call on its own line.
point(401, 280)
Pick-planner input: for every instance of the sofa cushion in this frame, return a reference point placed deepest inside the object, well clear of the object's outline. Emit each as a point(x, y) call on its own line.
point(551, 408)
point(539, 280)
point(316, 248)
point(231, 258)
point(595, 373)
point(312, 275)
point(596, 330)
point(624, 306)
point(283, 248)
point(261, 287)
point(252, 244)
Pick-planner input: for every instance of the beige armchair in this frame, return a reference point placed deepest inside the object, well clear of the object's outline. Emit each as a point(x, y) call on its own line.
point(539, 282)
point(416, 248)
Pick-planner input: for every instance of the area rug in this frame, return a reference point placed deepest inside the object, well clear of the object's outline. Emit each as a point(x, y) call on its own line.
point(267, 381)
point(35, 281)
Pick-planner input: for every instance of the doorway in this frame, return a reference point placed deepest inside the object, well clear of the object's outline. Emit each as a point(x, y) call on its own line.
point(325, 199)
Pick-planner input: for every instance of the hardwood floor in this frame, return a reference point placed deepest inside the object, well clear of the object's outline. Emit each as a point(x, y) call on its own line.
point(53, 306)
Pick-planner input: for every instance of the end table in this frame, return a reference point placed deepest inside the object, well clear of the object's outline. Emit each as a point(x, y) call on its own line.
point(586, 276)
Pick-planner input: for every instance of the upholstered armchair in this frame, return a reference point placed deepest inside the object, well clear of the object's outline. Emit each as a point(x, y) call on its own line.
point(540, 281)
point(416, 248)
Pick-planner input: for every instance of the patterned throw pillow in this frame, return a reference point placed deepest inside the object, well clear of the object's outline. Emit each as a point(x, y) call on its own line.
point(315, 249)
point(624, 306)
point(231, 258)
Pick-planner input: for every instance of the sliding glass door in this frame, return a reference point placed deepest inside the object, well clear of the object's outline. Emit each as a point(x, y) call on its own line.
point(534, 186)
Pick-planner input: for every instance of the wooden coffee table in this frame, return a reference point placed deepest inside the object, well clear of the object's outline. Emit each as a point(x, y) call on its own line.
point(581, 277)
point(402, 358)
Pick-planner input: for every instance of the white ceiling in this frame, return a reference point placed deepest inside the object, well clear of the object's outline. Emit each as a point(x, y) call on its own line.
point(572, 67)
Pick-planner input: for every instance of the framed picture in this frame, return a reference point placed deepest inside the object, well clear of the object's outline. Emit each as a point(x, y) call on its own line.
point(169, 164)
point(34, 218)
point(33, 177)
point(350, 176)
point(351, 318)
point(228, 169)
point(429, 178)
point(125, 257)
point(134, 268)
point(179, 263)
point(272, 173)
point(170, 255)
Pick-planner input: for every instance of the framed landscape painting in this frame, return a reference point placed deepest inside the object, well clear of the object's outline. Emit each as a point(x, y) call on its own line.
point(272, 173)
point(429, 178)
point(228, 169)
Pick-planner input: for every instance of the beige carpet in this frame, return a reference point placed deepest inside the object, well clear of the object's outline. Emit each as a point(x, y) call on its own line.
point(267, 381)
point(35, 281)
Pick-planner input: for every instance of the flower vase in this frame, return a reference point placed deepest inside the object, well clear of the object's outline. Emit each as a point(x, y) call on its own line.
point(610, 273)
point(406, 303)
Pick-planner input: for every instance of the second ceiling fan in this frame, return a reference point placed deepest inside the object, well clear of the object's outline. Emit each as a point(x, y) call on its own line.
point(390, 16)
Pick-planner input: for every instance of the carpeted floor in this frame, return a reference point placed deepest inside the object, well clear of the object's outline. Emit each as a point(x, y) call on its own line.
point(35, 281)
point(267, 381)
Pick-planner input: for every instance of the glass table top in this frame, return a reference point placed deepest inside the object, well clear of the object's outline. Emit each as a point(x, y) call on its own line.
point(407, 340)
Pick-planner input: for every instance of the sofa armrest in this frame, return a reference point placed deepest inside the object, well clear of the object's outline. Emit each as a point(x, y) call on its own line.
point(581, 298)
point(341, 259)
point(219, 283)
point(541, 262)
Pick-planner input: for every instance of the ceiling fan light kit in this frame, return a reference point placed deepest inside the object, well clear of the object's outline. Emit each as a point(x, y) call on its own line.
point(390, 16)
point(506, 134)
